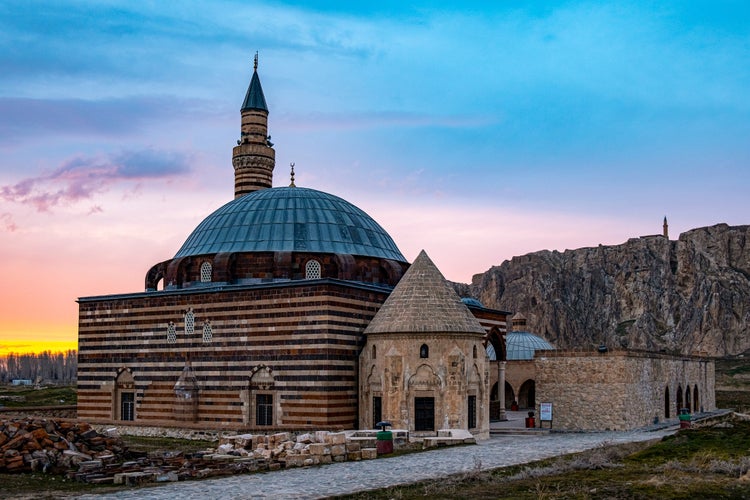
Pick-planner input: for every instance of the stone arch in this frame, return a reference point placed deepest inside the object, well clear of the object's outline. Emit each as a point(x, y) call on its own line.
point(155, 275)
point(176, 272)
point(510, 396)
point(424, 399)
point(687, 397)
point(346, 266)
point(667, 402)
point(496, 338)
point(186, 392)
point(262, 397)
point(527, 394)
point(224, 267)
point(123, 398)
point(696, 401)
point(391, 271)
point(679, 398)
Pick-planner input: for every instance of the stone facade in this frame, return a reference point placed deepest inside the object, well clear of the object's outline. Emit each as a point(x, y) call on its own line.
point(621, 390)
point(295, 345)
point(395, 373)
point(424, 366)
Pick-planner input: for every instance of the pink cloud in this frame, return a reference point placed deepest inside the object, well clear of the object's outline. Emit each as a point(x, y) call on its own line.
point(6, 222)
point(83, 177)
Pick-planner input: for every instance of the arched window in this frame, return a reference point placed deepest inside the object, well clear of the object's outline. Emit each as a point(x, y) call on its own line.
point(374, 352)
point(171, 333)
point(424, 351)
point(206, 272)
point(312, 270)
point(208, 333)
point(189, 322)
point(475, 352)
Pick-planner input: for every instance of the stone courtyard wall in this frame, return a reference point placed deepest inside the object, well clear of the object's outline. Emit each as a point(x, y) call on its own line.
point(621, 390)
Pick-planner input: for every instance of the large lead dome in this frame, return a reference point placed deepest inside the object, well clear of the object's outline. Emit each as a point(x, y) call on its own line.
point(290, 219)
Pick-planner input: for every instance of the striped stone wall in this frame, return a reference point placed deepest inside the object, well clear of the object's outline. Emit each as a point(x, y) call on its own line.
point(296, 341)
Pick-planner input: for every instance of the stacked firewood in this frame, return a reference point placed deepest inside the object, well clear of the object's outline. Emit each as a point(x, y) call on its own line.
point(53, 446)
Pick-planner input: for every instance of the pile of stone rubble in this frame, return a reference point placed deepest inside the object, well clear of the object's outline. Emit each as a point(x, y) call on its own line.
point(83, 454)
point(52, 446)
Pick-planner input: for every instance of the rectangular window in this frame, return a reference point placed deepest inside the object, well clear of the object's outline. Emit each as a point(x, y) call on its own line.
point(377, 410)
point(264, 409)
point(127, 406)
point(472, 412)
point(424, 414)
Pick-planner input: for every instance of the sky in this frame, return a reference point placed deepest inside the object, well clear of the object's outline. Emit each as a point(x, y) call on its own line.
point(477, 131)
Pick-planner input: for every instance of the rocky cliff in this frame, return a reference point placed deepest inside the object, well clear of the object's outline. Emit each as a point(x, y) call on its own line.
point(691, 295)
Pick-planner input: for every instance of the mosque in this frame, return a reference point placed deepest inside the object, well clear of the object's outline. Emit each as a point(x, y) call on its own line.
point(289, 308)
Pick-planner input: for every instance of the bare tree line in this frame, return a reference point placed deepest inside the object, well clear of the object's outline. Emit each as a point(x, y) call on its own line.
point(45, 367)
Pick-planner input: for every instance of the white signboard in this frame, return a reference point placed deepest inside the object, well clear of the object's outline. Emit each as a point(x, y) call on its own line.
point(545, 412)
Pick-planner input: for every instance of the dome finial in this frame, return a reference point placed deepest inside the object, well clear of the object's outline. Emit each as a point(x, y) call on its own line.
point(292, 184)
point(255, 62)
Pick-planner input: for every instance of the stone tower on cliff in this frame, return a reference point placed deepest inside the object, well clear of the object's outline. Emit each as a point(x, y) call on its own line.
point(253, 158)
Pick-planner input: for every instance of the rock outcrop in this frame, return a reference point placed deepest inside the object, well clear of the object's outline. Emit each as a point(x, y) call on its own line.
point(686, 296)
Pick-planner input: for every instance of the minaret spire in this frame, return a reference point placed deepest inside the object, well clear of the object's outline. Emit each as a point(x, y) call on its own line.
point(254, 157)
point(666, 228)
point(292, 175)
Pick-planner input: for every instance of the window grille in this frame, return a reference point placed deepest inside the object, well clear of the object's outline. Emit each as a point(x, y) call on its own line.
point(206, 272)
point(171, 333)
point(312, 270)
point(207, 332)
point(189, 322)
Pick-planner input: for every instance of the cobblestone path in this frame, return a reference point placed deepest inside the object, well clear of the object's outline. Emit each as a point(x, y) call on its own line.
point(350, 477)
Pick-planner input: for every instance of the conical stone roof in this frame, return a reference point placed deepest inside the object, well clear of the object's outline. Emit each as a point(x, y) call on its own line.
point(424, 302)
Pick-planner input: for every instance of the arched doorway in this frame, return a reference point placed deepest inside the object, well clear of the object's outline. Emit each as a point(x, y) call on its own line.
point(679, 398)
point(687, 398)
point(666, 402)
point(124, 396)
point(510, 395)
point(527, 394)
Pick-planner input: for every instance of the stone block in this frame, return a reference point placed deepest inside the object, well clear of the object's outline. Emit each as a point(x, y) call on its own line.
point(354, 456)
point(319, 449)
point(353, 446)
point(338, 449)
point(369, 453)
point(336, 438)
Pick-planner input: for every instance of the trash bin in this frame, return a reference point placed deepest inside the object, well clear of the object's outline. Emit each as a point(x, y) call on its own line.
point(685, 418)
point(384, 438)
point(384, 443)
point(530, 421)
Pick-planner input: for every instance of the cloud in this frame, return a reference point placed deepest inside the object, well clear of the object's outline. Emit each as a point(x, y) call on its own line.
point(83, 177)
point(33, 119)
point(6, 222)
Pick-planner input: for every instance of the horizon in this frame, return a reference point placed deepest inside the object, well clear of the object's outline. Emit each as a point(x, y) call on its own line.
point(474, 133)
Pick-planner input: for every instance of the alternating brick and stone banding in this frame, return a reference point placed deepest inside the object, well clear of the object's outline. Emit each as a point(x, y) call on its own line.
point(296, 343)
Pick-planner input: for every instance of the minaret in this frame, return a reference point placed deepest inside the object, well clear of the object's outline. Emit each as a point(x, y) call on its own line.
point(253, 158)
point(666, 228)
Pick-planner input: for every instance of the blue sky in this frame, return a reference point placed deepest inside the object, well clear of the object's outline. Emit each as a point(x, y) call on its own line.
point(475, 130)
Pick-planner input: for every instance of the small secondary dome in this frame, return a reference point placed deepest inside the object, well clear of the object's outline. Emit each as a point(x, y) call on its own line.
point(290, 219)
point(471, 301)
point(521, 346)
